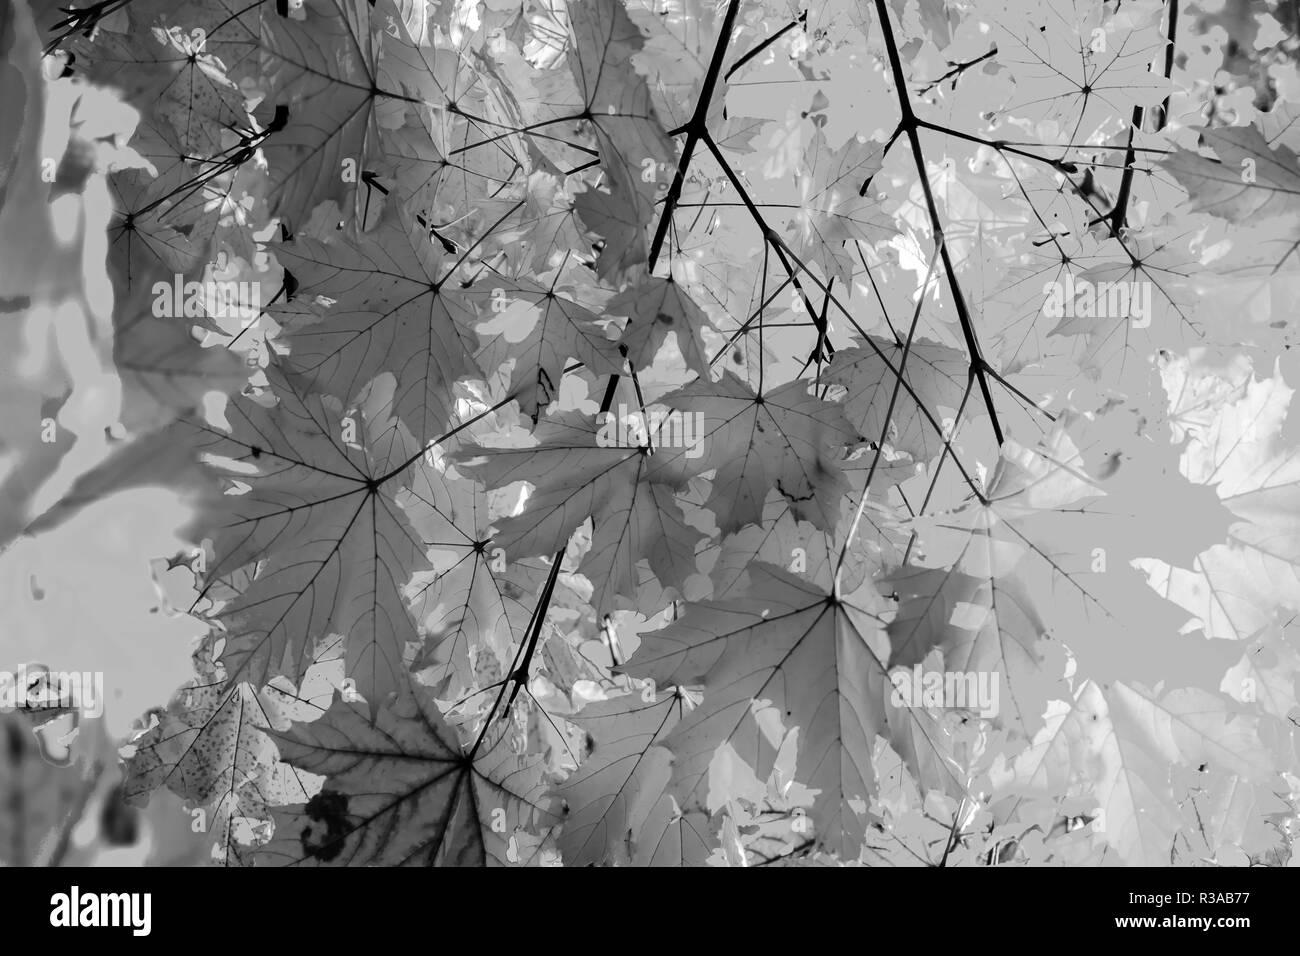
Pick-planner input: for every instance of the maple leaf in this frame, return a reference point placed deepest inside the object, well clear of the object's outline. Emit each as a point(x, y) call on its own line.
point(163, 217)
point(1130, 739)
point(1149, 735)
point(539, 330)
point(470, 595)
point(210, 746)
point(786, 438)
point(680, 38)
point(176, 76)
point(577, 474)
point(1046, 524)
point(333, 545)
point(617, 807)
point(612, 96)
point(784, 540)
point(654, 308)
point(607, 95)
point(834, 207)
point(321, 95)
point(1233, 428)
point(1091, 66)
point(981, 625)
point(1251, 177)
point(820, 662)
point(381, 302)
point(549, 224)
point(1240, 823)
point(619, 216)
point(402, 791)
point(937, 380)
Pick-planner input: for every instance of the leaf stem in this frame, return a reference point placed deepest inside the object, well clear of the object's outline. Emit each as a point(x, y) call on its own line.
point(910, 124)
point(884, 429)
point(695, 130)
point(518, 675)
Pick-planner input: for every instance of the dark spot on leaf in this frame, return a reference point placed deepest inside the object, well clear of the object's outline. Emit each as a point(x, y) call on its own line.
point(664, 318)
point(322, 837)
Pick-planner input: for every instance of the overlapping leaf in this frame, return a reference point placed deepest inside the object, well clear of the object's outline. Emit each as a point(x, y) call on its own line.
point(579, 472)
point(402, 791)
point(820, 661)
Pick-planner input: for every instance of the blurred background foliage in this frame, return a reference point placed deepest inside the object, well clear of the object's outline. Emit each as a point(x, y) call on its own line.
point(80, 597)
